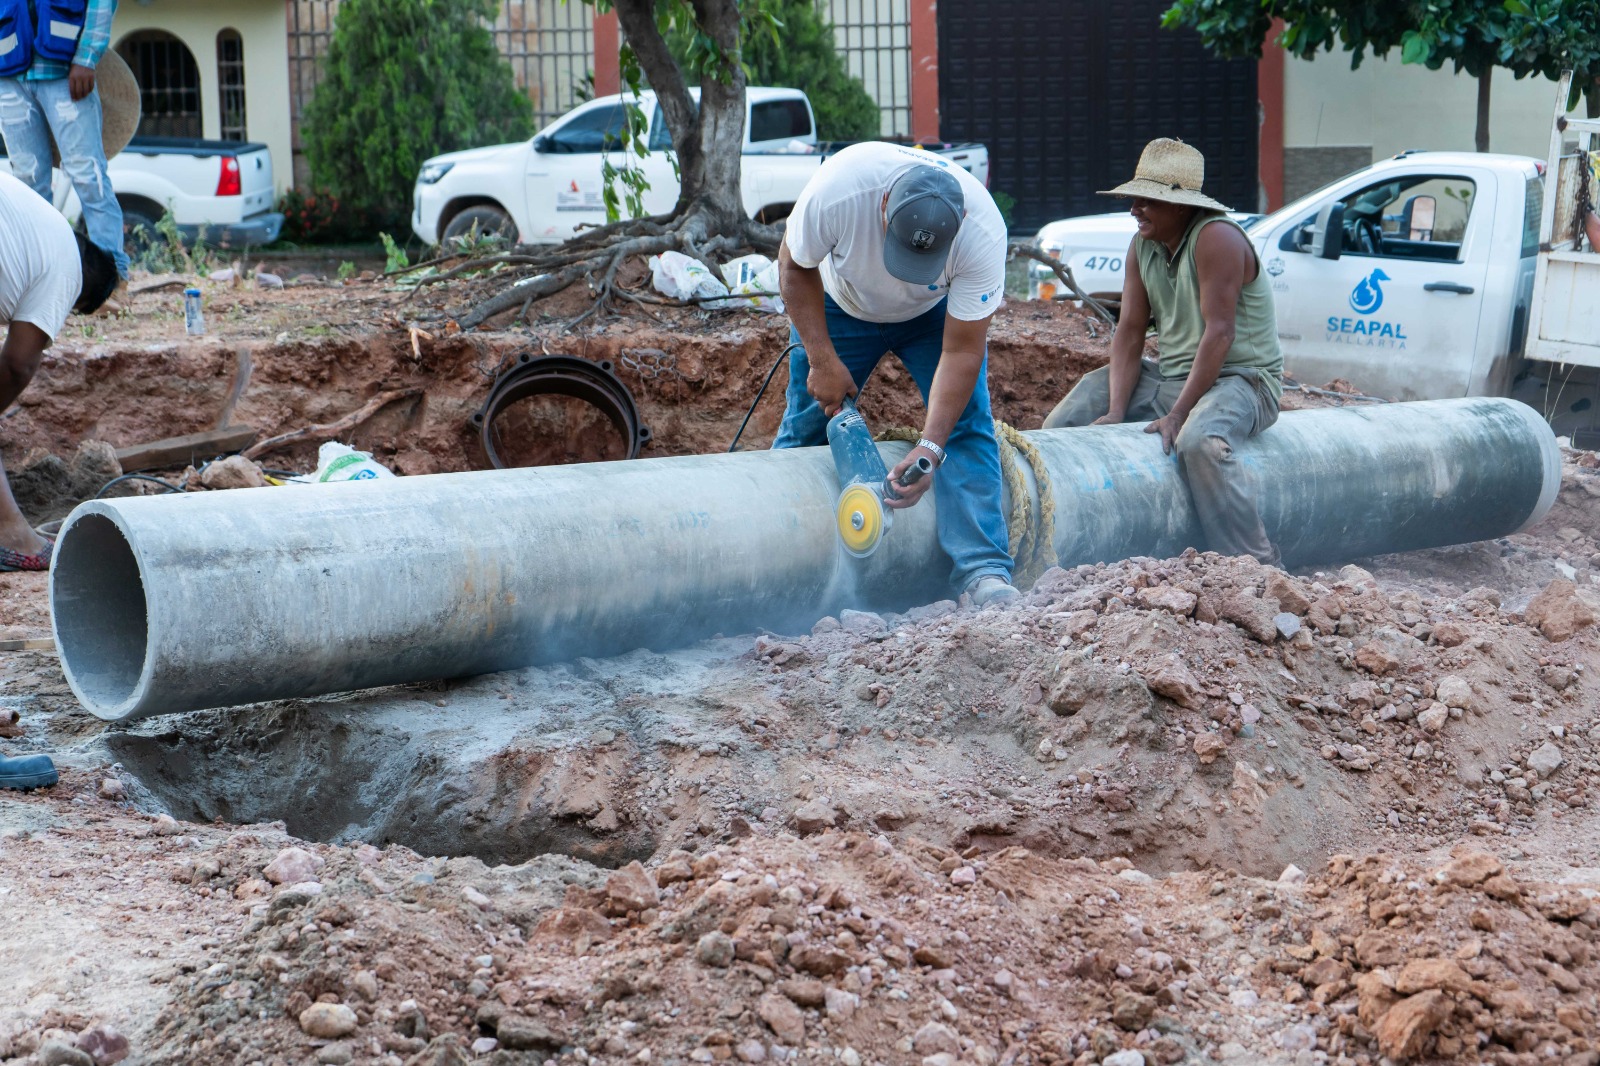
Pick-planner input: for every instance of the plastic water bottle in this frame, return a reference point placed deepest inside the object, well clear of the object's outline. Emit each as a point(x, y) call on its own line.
point(194, 320)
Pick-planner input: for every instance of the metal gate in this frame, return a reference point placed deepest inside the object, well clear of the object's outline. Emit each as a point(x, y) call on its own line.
point(874, 37)
point(1066, 94)
point(549, 44)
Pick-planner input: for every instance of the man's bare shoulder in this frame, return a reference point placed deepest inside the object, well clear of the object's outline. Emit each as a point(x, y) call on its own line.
point(1221, 235)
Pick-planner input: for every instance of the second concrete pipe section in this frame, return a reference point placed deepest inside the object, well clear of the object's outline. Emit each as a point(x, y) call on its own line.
point(173, 603)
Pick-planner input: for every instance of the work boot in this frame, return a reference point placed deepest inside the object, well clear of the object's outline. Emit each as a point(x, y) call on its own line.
point(990, 588)
point(27, 771)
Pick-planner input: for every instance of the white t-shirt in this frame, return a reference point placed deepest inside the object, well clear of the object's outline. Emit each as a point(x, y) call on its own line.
point(40, 276)
point(837, 226)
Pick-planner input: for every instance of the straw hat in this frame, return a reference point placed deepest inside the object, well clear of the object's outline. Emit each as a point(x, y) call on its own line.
point(1172, 171)
point(119, 105)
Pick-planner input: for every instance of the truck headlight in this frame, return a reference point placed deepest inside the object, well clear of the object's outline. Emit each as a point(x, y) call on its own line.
point(432, 172)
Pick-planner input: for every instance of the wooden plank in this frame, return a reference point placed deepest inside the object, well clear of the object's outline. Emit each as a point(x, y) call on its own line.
point(29, 644)
point(187, 449)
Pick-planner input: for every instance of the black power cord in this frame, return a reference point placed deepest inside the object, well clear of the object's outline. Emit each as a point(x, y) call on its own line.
point(762, 392)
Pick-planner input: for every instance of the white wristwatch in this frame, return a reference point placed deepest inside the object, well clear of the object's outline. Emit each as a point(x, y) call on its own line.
point(938, 452)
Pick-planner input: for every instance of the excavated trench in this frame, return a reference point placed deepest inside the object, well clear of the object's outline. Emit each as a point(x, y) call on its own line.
point(606, 760)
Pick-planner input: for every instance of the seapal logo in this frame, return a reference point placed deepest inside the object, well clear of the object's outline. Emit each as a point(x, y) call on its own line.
point(922, 240)
point(1367, 296)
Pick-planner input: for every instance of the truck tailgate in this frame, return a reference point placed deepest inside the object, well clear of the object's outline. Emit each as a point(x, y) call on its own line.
point(255, 178)
point(1564, 321)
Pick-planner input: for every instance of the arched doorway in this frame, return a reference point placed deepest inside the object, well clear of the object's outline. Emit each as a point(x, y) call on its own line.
point(169, 83)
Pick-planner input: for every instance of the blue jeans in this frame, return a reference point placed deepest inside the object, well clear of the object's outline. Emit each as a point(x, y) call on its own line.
point(30, 111)
point(972, 527)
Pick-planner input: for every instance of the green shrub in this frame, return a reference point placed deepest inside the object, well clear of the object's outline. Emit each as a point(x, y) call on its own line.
point(405, 80)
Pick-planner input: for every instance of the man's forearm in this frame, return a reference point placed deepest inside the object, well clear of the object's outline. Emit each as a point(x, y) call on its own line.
point(1208, 361)
point(803, 294)
point(952, 387)
point(1126, 349)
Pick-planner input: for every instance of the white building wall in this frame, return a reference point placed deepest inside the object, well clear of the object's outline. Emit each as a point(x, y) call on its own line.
point(1334, 116)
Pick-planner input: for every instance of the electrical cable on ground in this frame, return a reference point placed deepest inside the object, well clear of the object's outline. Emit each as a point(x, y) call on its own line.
point(169, 486)
point(760, 393)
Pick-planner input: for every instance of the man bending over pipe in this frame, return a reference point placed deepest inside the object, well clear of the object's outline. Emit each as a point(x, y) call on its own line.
point(45, 271)
point(893, 249)
point(1194, 272)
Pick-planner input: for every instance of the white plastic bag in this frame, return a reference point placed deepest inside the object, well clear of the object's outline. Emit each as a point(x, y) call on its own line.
point(683, 277)
point(340, 462)
point(754, 277)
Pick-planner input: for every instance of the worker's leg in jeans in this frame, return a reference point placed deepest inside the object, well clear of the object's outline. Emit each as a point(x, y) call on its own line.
point(1220, 486)
point(77, 128)
point(27, 135)
point(1090, 399)
point(967, 486)
point(860, 345)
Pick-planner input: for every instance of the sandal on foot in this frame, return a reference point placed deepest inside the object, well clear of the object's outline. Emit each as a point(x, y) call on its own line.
point(11, 560)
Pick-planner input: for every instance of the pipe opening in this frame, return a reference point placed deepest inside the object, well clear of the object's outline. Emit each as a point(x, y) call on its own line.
point(97, 598)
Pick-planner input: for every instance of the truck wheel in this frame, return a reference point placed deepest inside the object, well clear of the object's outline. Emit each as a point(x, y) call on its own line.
point(486, 219)
point(139, 233)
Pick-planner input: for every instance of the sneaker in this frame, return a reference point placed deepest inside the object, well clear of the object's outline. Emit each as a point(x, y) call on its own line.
point(27, 771)
point(991, 588)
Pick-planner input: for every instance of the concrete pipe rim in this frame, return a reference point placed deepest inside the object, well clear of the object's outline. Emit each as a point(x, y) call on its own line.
point(106, 652)
point(1550, 458)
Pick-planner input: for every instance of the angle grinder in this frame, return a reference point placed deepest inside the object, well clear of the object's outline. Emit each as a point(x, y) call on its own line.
point(861, 514)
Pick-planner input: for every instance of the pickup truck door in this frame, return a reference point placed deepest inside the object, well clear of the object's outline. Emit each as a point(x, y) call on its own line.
point(1396, 313)
point(565, 182)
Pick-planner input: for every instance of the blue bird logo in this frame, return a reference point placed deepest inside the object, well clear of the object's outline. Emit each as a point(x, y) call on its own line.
point(1367, 296)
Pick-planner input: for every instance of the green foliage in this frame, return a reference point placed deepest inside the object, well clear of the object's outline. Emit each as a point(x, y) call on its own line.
point(625, 183)
point(405, 80)
point(794, 48)
point(1006, 203)
point(395, 257)
point(164, 251)
point(347, 270)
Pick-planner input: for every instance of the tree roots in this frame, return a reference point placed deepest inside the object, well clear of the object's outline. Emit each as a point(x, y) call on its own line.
point(532, 272)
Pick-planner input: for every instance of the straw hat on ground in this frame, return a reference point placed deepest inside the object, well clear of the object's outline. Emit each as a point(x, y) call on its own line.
point(119, 105)
point(1171, 171)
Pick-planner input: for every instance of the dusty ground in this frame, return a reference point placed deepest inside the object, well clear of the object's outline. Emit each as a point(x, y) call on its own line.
point(1056, 833)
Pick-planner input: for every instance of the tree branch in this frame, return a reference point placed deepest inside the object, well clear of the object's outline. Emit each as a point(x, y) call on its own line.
point(1062, 271)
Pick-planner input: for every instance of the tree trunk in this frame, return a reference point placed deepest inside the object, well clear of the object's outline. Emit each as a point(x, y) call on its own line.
point(1481, 137)
point(708, 139)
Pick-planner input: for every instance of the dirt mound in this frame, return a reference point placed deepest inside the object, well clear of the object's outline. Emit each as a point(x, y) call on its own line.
point(850, 947)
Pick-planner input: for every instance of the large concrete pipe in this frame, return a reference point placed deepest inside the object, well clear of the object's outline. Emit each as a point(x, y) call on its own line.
point(172, 603)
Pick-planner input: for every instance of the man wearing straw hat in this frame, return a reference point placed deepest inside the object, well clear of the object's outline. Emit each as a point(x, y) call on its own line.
point(1193, 272)
point(59, 84)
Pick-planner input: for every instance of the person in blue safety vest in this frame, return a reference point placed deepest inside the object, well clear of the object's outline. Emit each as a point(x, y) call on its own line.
point(49, 54)
point(893, 249)
point(46, 270)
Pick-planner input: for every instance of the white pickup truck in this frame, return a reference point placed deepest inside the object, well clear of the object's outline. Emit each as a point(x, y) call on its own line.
point(541, 190)
point(1415, 278)
point(221, 190)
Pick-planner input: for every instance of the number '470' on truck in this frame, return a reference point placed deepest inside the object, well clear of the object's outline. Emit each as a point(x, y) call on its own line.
point(539, 191)
point(1427, 276)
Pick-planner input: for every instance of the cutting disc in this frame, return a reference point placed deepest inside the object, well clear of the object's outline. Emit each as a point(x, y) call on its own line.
point(861, 518)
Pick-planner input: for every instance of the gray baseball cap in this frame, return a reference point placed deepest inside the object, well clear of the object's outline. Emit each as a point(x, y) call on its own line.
point(925, 210)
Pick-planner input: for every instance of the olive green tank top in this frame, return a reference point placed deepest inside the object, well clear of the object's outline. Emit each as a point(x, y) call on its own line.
point(1174, 289)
